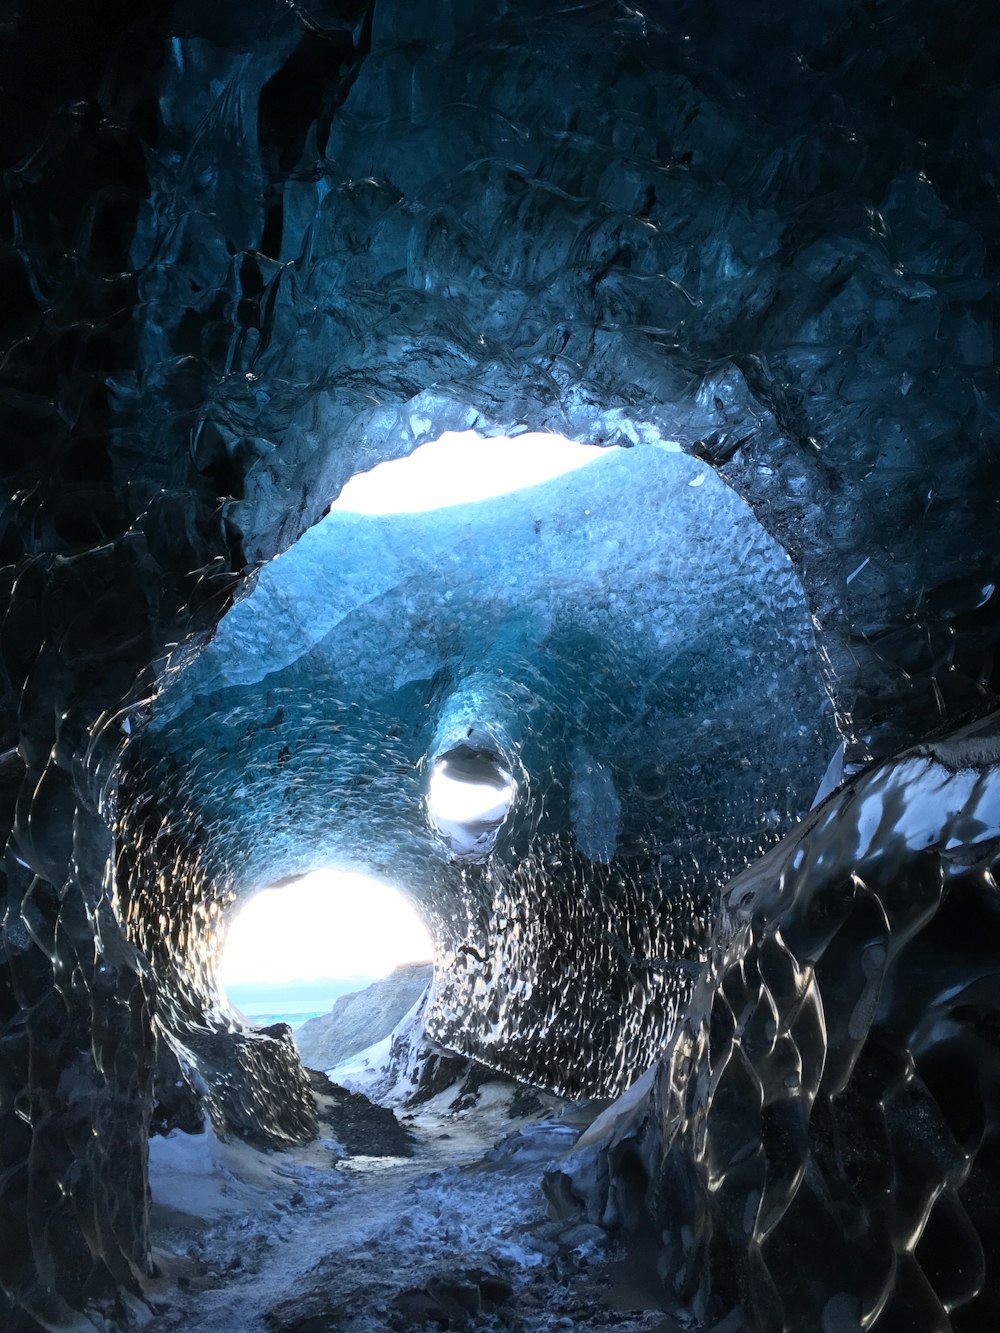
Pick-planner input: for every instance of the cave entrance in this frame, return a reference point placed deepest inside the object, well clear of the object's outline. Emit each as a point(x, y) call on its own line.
point(561, 703)
point(469, 796)
point(461, 467)
point(291, 951)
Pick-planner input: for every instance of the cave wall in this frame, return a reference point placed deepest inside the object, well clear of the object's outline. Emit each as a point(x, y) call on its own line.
point(661, 730)
point(818, 1148)
point(248, 249)
point(756, 261)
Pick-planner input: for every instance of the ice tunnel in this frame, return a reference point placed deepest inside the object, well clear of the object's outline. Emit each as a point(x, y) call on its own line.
point(531, 714)
point(252, 251)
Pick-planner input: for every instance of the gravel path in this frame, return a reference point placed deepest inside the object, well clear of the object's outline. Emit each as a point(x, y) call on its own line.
point(301, 1242)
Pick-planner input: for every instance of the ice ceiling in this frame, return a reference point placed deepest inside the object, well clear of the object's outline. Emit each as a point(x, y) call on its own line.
point(251, 249)
point(620, 659)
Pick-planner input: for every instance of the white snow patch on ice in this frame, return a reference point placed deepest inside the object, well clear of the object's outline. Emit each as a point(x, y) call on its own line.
point(929, 799)
point(188, 1154)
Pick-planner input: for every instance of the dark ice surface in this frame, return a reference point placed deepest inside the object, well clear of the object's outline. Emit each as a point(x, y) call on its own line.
point(250, 248)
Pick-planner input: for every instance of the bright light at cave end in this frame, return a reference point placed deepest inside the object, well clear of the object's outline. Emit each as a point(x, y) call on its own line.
point(462, 467)
point(329, 924)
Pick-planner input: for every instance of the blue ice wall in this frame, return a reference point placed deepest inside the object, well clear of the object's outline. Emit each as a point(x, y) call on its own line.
point(627, 639)
point(532, 220)
point(248, 248)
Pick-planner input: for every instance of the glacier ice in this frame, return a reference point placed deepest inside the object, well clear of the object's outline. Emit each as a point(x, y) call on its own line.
point(625, 711)
point(844, 1019)
point(250, 250)
point(594, 808)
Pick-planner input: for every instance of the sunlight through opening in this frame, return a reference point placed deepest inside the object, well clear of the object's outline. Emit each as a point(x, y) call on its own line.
point(464, 801)
point(469, 796)
point(461, 467)
point(291, 951)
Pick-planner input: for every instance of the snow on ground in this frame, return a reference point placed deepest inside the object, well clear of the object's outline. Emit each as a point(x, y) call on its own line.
point(310, 1240)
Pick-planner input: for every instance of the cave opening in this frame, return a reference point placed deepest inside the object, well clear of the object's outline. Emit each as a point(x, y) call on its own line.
point(517, 676)
point(291, 950)
point(462, 467)
point(469, 797)
point(256, 250)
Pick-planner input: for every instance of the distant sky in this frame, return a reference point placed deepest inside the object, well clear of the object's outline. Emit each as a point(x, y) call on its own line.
point(330, 924)
point(461, 467)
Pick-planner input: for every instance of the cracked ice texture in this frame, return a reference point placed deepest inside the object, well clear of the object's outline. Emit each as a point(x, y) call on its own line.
point(847, 1029)
point(653, 685)
point(248, 249)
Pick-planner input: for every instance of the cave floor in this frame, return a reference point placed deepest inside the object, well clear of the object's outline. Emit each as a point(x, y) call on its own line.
point(454, 1236)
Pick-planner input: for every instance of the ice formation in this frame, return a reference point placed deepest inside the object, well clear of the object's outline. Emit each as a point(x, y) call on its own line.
point(253, 249)
point(840, 1029)
point(420, 719)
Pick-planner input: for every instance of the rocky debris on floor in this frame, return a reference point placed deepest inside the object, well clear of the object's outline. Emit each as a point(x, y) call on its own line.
point(454, 1236)
point(357, 1123)
point(557, 1295)
point(452, 1300)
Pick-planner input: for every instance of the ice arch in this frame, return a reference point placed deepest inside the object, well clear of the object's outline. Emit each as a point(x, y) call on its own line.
point(248, 251)
point(620, 656)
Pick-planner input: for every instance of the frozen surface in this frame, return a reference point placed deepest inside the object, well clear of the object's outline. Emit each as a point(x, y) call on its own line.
point(845, 1005)
point(249, 250)
point(264, 1242)
point(559, 720)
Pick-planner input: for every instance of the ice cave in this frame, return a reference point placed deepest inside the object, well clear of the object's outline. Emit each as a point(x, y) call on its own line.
point(686, 755)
